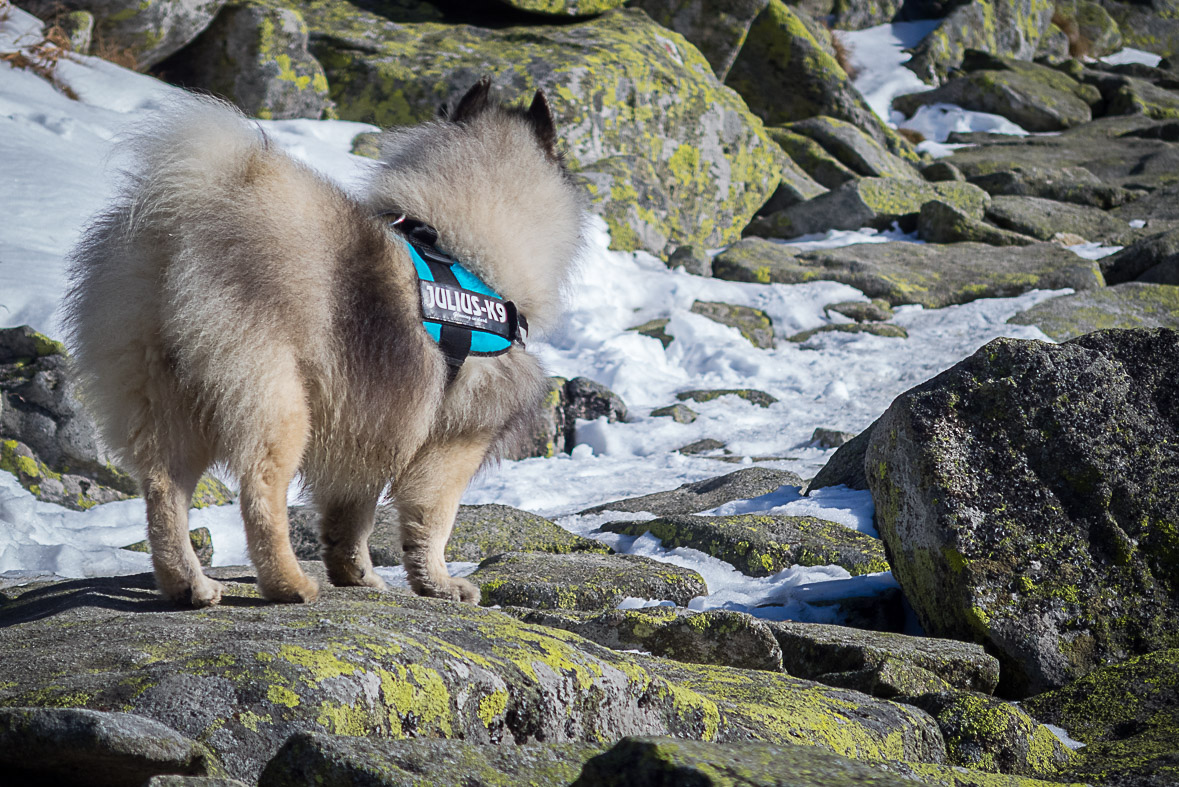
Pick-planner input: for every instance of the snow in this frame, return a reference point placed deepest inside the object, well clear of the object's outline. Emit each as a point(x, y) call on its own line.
point(1131, 55)
point(59, 169)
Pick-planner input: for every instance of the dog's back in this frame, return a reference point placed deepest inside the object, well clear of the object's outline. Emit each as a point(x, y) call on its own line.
point(234, 306)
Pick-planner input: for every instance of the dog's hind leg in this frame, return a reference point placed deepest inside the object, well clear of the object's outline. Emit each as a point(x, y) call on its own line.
point(427, 495)
point(344, 528)
point(278, 448)
point(177, 569)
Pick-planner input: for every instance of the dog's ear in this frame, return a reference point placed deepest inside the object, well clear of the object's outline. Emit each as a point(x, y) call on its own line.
point(540, 116)
point(476, 101)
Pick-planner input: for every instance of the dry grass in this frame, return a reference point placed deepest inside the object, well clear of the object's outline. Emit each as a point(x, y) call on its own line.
point(843, 55)
point(100, 46)
point(40, 56)
point(914, 136)
point(1078, 45)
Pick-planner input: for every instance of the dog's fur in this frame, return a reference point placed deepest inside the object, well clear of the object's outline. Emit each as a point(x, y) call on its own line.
point(236, 307)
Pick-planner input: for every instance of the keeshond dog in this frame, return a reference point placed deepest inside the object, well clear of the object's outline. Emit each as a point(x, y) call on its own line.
point(235, 307)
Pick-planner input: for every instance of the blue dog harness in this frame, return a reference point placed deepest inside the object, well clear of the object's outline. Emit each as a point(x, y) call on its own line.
point(459, 310)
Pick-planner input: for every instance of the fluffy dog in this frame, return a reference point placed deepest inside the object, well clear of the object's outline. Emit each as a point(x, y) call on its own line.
point(235, 307)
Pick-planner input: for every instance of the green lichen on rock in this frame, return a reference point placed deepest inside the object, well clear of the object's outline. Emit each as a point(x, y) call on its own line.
point(815, 162)
point(387, 666)
point(583, 581)
point(200, 538)
point(1044, 218)
point(760, 545)
point(664, 167)
point(1130, 305)
point(704, 495)
point(753, 324)
point(940, 222)
point(1065, 558)
point(854, 148)
point(882, 329)
point(785, 74)
point(564, 7)
point(751, 395)
point(929, 274)
point(988, 734)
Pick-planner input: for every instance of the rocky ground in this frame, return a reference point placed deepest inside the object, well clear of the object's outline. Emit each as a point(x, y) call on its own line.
point(1025, 498)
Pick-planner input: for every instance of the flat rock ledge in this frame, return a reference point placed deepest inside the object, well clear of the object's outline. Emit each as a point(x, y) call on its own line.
point(707, 494)
point(243, 677)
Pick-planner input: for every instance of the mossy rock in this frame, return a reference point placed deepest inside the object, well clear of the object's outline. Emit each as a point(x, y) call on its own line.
point(1044, 218)
point(707, 494)
point(256, 56)
point(929, 274)
point(1065, 557)
point(480, 531)
point(246, 675)
point(1132, 305)
point(867, 202)
point(563, 7)
point(760, 545)
point(940, 222)
point(65, 489)
point(76, 745)
point(656, 329)
point(854, 148)
point(751, 395)
point(200, 538)
point(1033, 96)
point(663, 167)
point(875, 659)
point(1139, 97)
point(987, 734)
point(1153, 27)
point(680, 413)
point(862, 311)
point(785, 74)
point(1098, 30)
point(846, 465)
point(1008, 28)
point(716, 27)
point(717, 636)
point(1127, 715)
point(881, 329)
point(584, 581)
point(1067, 184)
point(753, 324)
point(818, 165)
point(1153, 259)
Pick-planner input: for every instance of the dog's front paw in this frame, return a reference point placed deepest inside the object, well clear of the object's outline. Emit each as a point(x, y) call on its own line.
point(462, 590)
point(354, 575)
point(199, 593)
point(300, 589)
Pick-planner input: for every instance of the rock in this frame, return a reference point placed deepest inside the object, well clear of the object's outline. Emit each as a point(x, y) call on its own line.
point(1130, 305)
point(751, 395)
point(1159, 209)
point(564, 7)
point(875, 660)
point(707, 494)
point(200, 538)
point(692, 259)
point(884, 330)
point(1151, 26)
point(701, 446)
point(256, 56)
point(147, 30)
point(830, 438)
point(867, 202)
point(754, 324)
point(193, 781)
point(755, 260)
point(1070, 184)
point(1127, 715)
point(1063, 558)
point(1043, 218)
point(664, 168)
point(941, 171)
point(1114, 160)
point(78, 27)
point(846, 465)
point(1036, 97)
point(1154, 259)
point(716, 27)
point(549, 435)
point(988, 734)
point(680, 413)
point(928, 274)
point(1098, 32)
point(1054, 46)
point(582, 581)
point(315, 758)
point(1125, 95)
point(816, 165)
point(854, 148)
point(1006, 28)
point(760, 545)
point(794, 186)
point(785, 74)
point(656, 329)
point(589, 400)
point(717, 636)
point(863, 311)
point(480, 532)
point(652, 761)
point(246, 675)
point(940, 222)
point(83, 747)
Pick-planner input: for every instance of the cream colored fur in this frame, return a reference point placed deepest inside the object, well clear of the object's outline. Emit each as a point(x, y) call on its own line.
point(236, 307)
